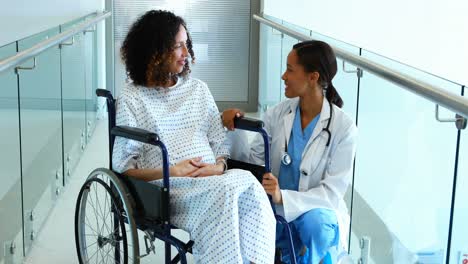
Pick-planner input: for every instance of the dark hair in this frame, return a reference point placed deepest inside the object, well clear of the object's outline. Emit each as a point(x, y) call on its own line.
point(318, 56)
point(148, 46)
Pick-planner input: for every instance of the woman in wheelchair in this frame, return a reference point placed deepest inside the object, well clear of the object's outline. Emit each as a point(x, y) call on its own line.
point(313, 143)
point(226, 212)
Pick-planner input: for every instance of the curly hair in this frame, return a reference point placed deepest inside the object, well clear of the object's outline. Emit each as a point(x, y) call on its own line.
point(146, 50)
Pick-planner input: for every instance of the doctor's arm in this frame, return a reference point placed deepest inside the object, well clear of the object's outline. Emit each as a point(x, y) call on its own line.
point(335, 180)
point(271, 186)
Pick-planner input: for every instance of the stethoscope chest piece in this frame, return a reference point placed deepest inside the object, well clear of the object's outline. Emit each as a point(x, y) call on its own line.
point(286, 159)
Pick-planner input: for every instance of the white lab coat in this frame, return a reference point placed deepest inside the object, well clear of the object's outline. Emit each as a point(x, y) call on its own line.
point(326, 172)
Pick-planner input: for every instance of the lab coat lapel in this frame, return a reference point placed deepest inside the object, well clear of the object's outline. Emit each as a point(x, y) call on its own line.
point(315, 148)
point(289, 119)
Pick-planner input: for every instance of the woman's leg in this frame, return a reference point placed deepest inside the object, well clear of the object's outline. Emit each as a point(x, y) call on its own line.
point(256, 221)
point(318, 231)
point(207, 209)
point(228, 217)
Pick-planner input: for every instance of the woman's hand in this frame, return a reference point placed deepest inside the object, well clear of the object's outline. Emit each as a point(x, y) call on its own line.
point(206, 169)
point(229, 115)
point(185, 167)
point(271, 186)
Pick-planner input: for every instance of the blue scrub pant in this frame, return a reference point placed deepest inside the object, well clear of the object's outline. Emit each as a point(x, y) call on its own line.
point(317, 230)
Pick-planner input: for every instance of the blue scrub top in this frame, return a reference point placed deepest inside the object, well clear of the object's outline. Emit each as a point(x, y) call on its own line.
point(289, 174)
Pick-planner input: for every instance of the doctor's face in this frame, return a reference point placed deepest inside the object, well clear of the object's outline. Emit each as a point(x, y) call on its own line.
point(295, 78)
point(179, 54)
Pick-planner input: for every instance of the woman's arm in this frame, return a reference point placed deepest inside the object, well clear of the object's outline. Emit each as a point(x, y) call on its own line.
point(216, 134)
point(127, 153)
point(145, 174)
point(182, 169)
point(206, 169)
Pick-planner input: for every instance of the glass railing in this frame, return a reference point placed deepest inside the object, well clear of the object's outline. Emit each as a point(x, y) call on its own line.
point(412, 169)
point(73, 100)
point(48, 112)
point(41, 134)
point(458, 239)
point(11, 232)
point(404, 175)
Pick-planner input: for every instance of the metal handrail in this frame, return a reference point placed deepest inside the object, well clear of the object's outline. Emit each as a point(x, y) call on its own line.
point(438, 95)
point(35, 50)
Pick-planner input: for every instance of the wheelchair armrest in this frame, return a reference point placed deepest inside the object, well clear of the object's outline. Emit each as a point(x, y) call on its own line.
point(248, 123)
point(134, 133)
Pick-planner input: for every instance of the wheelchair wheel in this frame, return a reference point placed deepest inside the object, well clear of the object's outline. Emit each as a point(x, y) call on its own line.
point(105, 230)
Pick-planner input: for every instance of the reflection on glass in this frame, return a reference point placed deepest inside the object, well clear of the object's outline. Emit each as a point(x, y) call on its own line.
point(459, 245)
point(10, 176)
point(296, 28)
point(404, 172)
point(41, 134)
point(269, 68)
point(287, 44)
point(73, 101)
point(90, 58)
point(346, 83)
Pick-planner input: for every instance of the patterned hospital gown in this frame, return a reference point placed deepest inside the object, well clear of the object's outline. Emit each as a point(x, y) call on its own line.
point(228, 216)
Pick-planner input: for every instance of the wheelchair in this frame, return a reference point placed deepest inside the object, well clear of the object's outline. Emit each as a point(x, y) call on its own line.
point(112, 207)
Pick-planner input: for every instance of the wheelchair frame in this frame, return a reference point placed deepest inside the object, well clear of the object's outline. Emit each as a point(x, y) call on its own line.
point(135, 204)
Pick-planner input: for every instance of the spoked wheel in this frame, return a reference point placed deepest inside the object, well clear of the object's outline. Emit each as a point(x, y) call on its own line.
point(105, 230)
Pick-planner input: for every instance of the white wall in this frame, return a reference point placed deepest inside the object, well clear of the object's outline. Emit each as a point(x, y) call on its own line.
point(22, 18)
point(428, 34)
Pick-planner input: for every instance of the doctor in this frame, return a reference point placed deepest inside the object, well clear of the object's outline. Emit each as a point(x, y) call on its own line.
point(313, 144)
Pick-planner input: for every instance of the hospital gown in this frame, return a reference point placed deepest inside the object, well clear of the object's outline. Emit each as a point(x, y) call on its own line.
point(228, 216)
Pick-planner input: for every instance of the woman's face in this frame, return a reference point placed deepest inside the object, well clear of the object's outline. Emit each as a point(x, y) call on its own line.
point(179, 54)
point(297, 81)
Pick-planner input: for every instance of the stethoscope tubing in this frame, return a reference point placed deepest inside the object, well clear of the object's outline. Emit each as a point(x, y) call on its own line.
point(286, 158)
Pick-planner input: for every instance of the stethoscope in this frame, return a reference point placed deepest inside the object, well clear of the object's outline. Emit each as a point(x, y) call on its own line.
point(286, 158)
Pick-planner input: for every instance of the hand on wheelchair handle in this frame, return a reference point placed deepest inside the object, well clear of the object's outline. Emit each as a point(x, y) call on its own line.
point(271, 186)
point(229, 115)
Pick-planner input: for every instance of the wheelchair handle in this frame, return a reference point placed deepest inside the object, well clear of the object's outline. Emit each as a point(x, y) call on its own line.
point(104, 93)
point(255, 125)
point(246, 123)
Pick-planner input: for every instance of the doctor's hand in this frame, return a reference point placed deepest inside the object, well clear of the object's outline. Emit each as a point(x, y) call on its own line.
point(229, 115)
point(184, 168)
point(271, 186)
